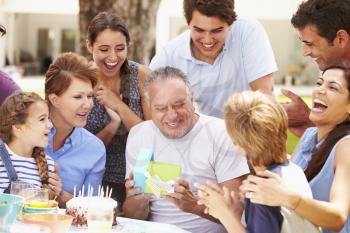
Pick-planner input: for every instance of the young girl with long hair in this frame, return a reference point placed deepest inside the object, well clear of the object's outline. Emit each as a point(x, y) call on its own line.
point(24, 133)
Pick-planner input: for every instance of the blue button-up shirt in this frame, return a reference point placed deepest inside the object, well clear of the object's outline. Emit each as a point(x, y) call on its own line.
point(81, 160)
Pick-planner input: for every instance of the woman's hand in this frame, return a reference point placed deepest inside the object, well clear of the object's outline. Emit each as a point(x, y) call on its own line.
point(106, 97)
point(266, 189)
point(115, 120)
point(54, 181)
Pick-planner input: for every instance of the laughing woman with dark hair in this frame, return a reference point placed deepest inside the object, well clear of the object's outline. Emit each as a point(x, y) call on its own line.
point(120, 89)
point(323, 153)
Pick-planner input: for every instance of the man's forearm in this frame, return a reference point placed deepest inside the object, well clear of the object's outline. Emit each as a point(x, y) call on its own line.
point(63, 198)
point(136, 208)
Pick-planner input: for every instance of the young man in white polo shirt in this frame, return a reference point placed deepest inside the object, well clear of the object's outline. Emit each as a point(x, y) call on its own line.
point(220, 54)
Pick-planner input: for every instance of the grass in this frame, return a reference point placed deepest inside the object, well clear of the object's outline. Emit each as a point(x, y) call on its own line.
point(292, 139)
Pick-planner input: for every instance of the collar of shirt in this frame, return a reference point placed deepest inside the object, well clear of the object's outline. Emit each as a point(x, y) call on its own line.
point(73, 139)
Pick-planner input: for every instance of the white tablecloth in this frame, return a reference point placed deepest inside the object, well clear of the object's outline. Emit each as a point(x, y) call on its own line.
point(127, 225)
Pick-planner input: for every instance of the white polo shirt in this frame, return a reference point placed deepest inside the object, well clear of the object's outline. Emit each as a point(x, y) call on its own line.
point(247, 55)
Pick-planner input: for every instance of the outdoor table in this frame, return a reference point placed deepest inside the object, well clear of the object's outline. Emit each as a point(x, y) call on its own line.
point(127, 225)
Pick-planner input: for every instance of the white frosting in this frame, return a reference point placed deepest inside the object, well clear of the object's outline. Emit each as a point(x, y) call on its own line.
point(78, 208)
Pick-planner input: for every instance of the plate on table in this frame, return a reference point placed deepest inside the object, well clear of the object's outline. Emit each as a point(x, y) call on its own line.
point(33, 210)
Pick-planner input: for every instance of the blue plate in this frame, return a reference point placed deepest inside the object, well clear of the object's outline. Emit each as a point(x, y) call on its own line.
point(10, 206)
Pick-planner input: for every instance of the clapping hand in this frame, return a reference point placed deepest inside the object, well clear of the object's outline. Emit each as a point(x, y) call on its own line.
point(217, 199)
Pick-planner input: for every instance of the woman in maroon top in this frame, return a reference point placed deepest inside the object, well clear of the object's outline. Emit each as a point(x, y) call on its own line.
point(7, 85)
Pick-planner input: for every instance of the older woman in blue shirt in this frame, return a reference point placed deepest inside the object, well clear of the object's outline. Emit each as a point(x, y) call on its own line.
point(80, 155)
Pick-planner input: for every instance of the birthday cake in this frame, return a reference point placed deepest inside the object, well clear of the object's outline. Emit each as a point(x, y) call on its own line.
point(77, 207)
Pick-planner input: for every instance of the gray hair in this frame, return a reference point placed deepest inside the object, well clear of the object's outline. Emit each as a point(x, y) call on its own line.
point(163, 74)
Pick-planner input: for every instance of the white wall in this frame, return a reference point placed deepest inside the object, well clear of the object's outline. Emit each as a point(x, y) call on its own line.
point(267, 9)
point(55, 22)
point(18, 16)
point(41, 6)
point(23, 32)
point(282, 38)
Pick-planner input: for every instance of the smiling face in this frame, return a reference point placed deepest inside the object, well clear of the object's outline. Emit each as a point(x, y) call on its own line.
point(171, 107)
point(71, 108)
point(208, 36)
point(36, 128)
point(331, 104)
point(109, 52)
point(318, 48)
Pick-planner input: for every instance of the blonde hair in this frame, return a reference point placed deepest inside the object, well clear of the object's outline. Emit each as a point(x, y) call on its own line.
point(15, 110)
point(257, 123)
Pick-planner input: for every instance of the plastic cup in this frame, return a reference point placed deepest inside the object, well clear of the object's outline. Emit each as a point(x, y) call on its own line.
point(100, 216)
point(37, 197)
point(18, 187)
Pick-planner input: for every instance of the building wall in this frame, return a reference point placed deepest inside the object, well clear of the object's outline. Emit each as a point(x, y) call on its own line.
point(22, 32)
point(53, 22)
point(282, 38)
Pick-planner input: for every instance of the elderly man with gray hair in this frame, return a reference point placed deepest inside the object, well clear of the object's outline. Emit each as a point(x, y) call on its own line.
point(178, 135)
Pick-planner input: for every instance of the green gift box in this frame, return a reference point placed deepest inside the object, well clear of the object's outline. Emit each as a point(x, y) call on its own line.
point(160, 177)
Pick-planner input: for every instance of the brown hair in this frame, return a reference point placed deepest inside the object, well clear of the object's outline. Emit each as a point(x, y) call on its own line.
point(328, 16)
point(15, 110)
point(224, 9)
point(257, 123)
point(66, 67)
point(105, 20)
point(320, 154)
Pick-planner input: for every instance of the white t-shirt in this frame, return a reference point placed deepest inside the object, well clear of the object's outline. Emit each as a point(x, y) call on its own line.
point(294, 177)
point(26, 169)
point(246, 57)
point(205, 153)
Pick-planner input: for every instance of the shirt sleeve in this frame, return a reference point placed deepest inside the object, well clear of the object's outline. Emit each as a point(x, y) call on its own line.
point(228, 162)
point(7, 86)
point(258, 56)
point(262, 219)
point(159, 60)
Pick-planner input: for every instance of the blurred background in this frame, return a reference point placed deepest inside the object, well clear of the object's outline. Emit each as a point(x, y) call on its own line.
point(39, 30)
